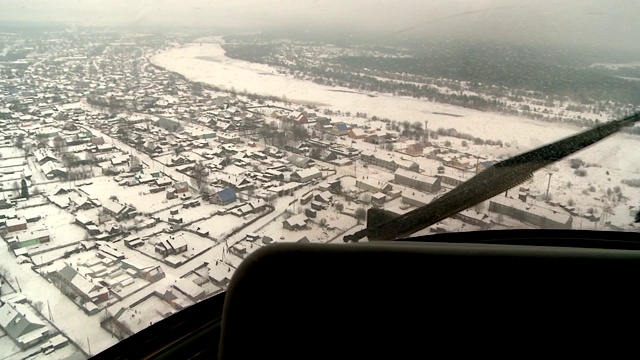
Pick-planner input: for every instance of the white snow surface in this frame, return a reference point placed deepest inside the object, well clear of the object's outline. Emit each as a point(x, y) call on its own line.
point(219, 70)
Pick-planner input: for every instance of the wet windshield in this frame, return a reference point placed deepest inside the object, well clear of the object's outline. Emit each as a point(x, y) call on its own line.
point(148, 147)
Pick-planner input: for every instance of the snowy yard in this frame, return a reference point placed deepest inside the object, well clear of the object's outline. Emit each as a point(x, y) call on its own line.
point(7, 346)
point(336, 224)
point(146, 313)
point(9, 152)
point(47, 257)
point(138, 196)
point(61, 224)
point(220, 226)
point(195, 245)
point(166, 158)
point(203, 282)
point(13, 162)
point(189, 214)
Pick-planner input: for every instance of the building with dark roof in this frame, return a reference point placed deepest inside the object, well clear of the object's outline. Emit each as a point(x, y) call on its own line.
point(417, 180)
point(484, 165)
point(224, 197)
point(300, 161)
point(22, 325)
point(340, 129)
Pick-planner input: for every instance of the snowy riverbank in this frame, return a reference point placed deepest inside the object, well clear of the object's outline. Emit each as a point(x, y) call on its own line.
point(207, 62)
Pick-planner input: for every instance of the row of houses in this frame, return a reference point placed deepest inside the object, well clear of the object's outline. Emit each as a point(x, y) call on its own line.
point(388, 161)
point(528, 213)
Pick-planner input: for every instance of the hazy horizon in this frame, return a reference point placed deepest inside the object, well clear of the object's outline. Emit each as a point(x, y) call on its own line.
point(582, 23)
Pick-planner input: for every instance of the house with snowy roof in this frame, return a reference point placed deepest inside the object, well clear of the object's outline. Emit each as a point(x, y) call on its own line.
point(300, 161)
point(171, 246)
point(54, 170)
point(305, 175)
point(70, 280)
point(21, 323)
point(484, 165)
point(417, 180)
point(44, 156)
point(298, 117)
point(224, 197)
point(340, 129)
point(190, 289)
point(357, 133)
point(295, 222)
point(119, 211)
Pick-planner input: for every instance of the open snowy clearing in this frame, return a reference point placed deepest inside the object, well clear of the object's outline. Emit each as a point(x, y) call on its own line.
point(189, 214)
point(220, 226)
point(10, 152)
point(139, 196)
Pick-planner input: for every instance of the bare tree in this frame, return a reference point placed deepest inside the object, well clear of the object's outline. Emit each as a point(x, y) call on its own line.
point(70, 160)
point(299, 132)
point(58, 144)
point(20, 141)
point(417, 127)
point(480, 207)
point(37, 305)
point(361, 215)
point(200, 175)
point(5, 273)
point(135, 164)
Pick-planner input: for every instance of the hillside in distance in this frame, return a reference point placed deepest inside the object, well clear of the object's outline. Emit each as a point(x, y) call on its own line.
point(517, 67)
point(552, 70)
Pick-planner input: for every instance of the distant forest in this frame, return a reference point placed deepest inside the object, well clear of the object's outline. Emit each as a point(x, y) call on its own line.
point(555, 73)
point(580, 84)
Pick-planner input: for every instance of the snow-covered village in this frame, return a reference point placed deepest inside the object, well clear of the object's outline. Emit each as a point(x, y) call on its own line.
point(138, 171)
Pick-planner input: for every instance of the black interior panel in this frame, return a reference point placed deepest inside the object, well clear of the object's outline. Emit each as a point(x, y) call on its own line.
point(435, 296)
point(408, 300)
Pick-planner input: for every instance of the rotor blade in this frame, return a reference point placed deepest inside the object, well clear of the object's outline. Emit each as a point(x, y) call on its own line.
point(489, 183)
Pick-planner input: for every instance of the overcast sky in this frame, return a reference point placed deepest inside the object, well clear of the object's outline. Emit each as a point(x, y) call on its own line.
point(580, 21)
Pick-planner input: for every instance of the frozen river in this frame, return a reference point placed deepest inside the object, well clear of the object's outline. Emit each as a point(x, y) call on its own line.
point(207, 62)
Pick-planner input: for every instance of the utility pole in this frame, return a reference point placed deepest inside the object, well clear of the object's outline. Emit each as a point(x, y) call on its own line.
point(477, 162)
point(49, 308)
point(89, 345)
point(355, 169)
point(426, 129)
point(548, 184)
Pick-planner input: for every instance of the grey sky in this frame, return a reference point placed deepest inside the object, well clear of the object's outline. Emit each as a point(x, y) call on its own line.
point(580, 21)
